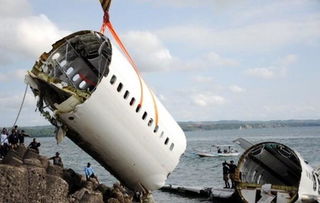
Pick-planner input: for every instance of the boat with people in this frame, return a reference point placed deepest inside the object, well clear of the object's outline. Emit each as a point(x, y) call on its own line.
point(219, 151)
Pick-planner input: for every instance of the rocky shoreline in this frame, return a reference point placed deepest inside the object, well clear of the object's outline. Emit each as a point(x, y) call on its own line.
point(26, 176)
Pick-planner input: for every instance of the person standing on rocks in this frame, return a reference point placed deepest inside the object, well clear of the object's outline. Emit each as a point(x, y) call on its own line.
point(34, 145)
point(57, 160)
point(21, 136)
point(13, 138)
point(4, 148)
point(225, 170)
point(89, 172)
point(232, 172)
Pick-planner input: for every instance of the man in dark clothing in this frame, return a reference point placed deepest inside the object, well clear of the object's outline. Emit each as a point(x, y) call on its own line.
point(232, 171)
point(13, 139)
point(34, 145)
point(225, 169)
point(57, 159)
point(21, 136)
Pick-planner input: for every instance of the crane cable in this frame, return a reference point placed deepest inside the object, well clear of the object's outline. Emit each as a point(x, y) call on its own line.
point(21, 105)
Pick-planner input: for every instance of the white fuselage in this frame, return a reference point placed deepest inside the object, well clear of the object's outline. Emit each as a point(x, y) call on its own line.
point(127, 142)
point(309, 182)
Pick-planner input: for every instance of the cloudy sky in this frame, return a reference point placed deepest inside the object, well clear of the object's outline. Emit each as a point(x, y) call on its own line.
point(205, 59)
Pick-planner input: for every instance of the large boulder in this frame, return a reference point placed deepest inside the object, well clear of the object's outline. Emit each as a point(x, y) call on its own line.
point(37, 184)
point(56, 189)
point(25, 176)
point(13, 184)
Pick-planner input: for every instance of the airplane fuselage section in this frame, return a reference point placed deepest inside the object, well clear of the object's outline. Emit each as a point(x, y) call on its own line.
point(108, 110)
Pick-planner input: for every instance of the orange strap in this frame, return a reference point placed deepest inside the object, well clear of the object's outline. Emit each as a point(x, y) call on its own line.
point(107, 23)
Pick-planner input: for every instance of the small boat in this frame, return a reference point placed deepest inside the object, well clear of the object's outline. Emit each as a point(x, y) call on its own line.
point(221, 151)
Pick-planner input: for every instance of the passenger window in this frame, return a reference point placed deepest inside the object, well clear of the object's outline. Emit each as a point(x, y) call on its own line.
point(156, 129)
point(126, 94)
point(161, 135)
point(144, 116)
point(70, 70)
point(113, 79)
point(138, 108)
point(76, 77)
point(82, 85)
point(167, 141)
point(150, 122)
point(132, 101)
point(119, 87)
point(171, 146)
point(63, 63)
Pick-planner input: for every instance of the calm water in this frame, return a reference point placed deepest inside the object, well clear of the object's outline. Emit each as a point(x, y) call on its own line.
point(194, 171)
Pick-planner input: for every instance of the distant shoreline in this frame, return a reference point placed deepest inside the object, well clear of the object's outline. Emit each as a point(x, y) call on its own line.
point(48, 130)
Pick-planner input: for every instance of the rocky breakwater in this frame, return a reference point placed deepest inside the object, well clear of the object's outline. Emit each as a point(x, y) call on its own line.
point(26, 176)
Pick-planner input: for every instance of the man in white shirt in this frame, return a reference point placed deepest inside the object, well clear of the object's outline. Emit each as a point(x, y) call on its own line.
point(4, 143)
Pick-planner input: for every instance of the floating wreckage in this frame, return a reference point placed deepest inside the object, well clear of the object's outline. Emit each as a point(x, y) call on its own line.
point(266, 172)
point(94, 96)
point(273, 172)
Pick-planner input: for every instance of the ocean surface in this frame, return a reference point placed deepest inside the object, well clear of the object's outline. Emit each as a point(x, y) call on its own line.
point(192, 170)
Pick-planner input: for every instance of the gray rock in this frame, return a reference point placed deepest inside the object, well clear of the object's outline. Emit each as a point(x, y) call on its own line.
point(56, 189)
point(55, 170)
point(92, 197)
point(21, 150)
point(13, 184)
point(33, 162)
point(31, 154)
point(37, 184)
point(34, 180)
point(12, 158)
point(44, 162)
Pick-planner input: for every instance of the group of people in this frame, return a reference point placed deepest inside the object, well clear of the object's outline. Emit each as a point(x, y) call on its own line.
point(229, 170)
point(88, 170)
point(229, 150)
point(11, 139)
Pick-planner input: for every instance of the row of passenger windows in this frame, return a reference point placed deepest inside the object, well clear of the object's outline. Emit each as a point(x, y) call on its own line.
point(138, 108)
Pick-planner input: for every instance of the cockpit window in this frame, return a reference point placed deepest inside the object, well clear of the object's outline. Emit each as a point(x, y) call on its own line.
point(81, 61)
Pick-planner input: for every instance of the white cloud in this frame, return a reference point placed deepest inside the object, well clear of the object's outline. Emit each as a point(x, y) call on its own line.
point(13, 75)
point(260, 36)
point(14, 8)
point(202, 79)
point(266, 73)
point(151, 55)
point(193, 3)
point(25, 34)
point(288, 60)
point(280, 68)
point(207, 99)
point(236, 89)
point(148, 51)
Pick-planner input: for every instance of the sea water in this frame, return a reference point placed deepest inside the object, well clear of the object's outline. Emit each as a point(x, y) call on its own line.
point(192, 170)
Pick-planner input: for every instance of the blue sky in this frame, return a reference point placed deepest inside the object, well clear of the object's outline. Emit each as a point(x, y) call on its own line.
point(205, 60)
